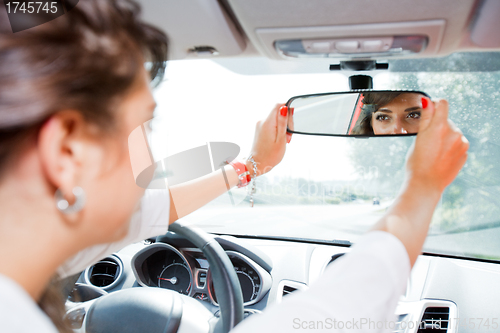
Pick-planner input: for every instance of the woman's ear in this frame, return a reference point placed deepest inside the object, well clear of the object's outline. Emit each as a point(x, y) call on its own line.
point(64, 146)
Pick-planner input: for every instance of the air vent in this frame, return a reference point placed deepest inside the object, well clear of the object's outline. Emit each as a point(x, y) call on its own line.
point(105, 273)
point(286, 287)
point(435, 319)
point(335, 257)
point(288, 290)
point(401, 324)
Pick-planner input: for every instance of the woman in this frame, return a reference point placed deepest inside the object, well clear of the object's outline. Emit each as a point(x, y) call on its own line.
point(386, 113)
point(71, 92)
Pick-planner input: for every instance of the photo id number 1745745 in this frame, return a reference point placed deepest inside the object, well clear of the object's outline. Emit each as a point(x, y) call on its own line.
point(35, 7)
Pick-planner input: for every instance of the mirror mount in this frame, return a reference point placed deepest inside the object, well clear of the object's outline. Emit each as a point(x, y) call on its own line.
point(360, 82)
point(359, 65)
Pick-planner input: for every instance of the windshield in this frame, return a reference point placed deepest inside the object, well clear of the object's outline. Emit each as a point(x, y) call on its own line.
point(329, 188)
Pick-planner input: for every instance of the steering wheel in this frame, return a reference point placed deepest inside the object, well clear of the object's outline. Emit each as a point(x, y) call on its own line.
point(159, 310)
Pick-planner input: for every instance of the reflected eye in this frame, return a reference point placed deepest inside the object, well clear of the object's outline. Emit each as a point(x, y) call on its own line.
point(382, 117)
point(414, 115)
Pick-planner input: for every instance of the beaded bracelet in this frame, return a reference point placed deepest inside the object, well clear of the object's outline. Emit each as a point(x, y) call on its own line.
point(254, 176)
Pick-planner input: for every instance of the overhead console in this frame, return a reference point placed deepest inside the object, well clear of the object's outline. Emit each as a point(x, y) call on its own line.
point(354, 46)
point(347, 41)
point(347, 29)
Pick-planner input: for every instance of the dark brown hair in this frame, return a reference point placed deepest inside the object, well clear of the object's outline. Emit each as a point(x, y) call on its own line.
point(85, 60)
point(52, 302)
point(371, 103)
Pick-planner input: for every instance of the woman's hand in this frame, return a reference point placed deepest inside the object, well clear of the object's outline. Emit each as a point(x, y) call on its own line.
point(439, 152)
point(435, 159)
point(270, 140)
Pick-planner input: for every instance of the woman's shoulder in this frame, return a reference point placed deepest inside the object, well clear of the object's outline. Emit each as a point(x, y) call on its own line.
point(18, 311)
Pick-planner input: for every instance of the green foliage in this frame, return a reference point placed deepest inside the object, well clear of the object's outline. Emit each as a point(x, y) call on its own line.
point(474, 98)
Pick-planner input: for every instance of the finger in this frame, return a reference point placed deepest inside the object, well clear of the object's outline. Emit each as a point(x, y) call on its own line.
point(462, 161)
point(464, 144)
point(427, 113)
point(456, 142)
point(273, 115)
point(440, 113)
point(459, 149)
point(282, 121)
point(465, 141)
point(289, 124)
point(453, 126)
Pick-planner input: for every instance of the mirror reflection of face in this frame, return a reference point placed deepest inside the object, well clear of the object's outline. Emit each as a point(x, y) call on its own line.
point(400, 116)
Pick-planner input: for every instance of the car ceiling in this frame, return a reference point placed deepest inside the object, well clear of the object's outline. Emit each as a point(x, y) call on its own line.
point(238, 28)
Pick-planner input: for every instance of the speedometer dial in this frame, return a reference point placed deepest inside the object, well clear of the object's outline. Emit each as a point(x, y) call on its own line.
point(175, 277)
point(248, 276)
point(249, 281)
point(162, 265)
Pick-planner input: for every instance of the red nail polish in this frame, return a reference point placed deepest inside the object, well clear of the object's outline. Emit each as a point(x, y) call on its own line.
point(283, 110)
point(424, 103)
point(288, 138)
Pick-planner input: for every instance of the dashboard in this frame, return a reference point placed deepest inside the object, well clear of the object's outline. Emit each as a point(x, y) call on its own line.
point(187, 271)
point(450, 289)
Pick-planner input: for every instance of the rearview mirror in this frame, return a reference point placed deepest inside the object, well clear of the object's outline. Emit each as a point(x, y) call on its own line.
point(356, 113)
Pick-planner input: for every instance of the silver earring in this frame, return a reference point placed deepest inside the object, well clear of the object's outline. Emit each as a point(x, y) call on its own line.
point(63, 204)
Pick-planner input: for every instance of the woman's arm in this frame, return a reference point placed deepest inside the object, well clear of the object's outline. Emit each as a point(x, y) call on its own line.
point(190, 196)
point(438, 154)
point(268, 150)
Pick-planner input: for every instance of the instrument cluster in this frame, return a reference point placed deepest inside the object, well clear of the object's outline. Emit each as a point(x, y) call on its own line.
point(187, 272)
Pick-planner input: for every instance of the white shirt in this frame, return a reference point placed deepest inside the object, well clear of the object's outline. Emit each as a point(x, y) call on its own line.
point(364, 284)
point(357, 293)
point(18, 312)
